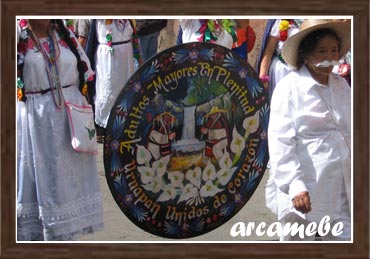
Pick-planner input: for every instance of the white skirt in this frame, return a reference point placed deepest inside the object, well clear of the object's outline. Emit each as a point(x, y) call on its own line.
point(58, 192)
point(112, 74)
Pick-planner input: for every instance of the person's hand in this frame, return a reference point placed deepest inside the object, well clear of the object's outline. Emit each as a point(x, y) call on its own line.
point(172, 135)
point(204, 130)
point(302, 202)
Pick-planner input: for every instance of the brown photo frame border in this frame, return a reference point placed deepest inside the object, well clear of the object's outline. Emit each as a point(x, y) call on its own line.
point(358, 249)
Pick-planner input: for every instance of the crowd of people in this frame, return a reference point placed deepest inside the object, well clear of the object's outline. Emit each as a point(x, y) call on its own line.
point(300, 63)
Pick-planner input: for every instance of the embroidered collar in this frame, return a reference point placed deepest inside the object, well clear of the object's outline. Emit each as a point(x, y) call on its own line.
point(210, 29)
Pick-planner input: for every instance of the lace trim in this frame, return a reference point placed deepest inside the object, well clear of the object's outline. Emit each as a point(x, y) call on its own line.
point(37, 234)
point(56, 213)
point(60, 223)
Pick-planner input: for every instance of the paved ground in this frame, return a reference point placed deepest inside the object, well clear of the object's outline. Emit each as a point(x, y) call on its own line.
point(117, 227)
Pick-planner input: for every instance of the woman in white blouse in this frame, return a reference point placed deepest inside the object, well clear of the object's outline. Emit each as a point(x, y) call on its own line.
point(58, 191)
point(310, 132)
point(111, 53)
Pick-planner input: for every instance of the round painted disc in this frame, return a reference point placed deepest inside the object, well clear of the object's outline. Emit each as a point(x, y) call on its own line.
point(186, 141)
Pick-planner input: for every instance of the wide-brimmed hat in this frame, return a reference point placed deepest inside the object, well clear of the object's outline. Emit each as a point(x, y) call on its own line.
point(341, 29)
point(214, 110)
point(165, 115)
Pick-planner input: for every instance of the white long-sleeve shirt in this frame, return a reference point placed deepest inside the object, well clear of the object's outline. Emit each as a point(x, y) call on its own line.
point(310, 143)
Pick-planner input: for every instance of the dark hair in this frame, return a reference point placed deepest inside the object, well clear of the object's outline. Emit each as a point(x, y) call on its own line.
point(309, 43)
point(65, 34)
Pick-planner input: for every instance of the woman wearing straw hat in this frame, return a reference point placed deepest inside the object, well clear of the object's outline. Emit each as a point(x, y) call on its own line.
point(310, 131)
point(216, 130)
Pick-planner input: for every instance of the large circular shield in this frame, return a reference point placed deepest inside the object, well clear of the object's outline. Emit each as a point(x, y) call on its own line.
point(186, 141)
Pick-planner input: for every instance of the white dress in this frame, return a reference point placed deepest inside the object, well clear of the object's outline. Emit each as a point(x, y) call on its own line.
point(112, 71)
point(58, 193)
point(310, 145)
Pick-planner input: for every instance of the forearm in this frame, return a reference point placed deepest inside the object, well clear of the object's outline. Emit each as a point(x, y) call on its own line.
point(82, 41)
point(267, 55)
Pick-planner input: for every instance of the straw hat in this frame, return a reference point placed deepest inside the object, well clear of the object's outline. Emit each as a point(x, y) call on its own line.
point(165, 115)
point(214, 110)
point(290, 48)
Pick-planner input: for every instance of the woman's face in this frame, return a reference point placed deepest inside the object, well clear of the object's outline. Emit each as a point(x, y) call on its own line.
point(326, 49)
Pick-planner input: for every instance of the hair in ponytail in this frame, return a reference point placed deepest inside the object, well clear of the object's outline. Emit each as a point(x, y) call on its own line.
point(81, 66)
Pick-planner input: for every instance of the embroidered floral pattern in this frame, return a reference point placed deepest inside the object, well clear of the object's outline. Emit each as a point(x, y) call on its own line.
point(109, 36)
point(30, 44)
point(284, 26)
point(109, 39)
point(45, 45)
point(23, 45)
point(210, 29)
point(26, 43)
point(136, 46)
point(63, 43)
point(70, 26)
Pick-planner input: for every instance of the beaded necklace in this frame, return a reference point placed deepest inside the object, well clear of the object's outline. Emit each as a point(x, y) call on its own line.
point(50, 51)
point(51, 61)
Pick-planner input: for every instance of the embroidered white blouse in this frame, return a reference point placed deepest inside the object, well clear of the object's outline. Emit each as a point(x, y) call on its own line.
point(310, 143)
point(190, 28)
